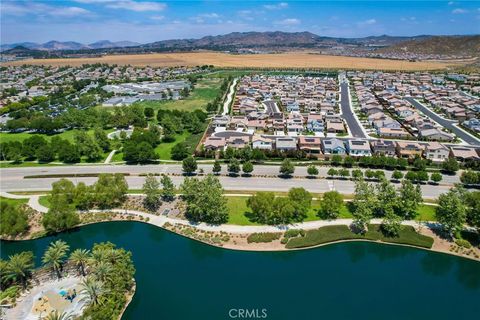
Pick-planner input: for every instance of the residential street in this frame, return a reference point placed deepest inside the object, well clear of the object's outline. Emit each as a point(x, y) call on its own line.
point(348, 115)
point(449, 124)
point(12, 179)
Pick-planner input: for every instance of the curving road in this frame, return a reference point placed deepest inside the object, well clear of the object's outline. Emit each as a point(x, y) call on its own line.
point(449, 124)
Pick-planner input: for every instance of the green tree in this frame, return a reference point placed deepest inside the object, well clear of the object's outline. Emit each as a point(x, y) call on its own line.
point(205, 200)
point(217, 168)
point(180, 151)
point(46, 153)
point(451, 212)
point(348, 161)
point(301, 200)
point(397, 175)
point(91, 291)
point(312, 171)
point(31, 145)
point(110, 190)
point(470, 177)
point(189, 165)
point(19, 268)
point(344, 173)
point(233, 167)
point(332, 202)
point(336, 159)
point(168, 188)
point(13, 219)
point(261, 205)
point(450, 165)
point(60, 216)
point(287, 168)
point(80, 257)
point(151, 189)
point(436, 177)
point(419, 164)
point(357, 174)
point(472, 204)
point(101, 139)
point(361, 216)
point(422, 176)
point(332, 172)
point(55, 255)
point(247, 168)
point(411, 176)
point(409, 199)
point(391, 224)
point(387, 198)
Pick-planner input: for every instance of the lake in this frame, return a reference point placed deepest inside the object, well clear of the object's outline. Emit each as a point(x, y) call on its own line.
point(178, 278)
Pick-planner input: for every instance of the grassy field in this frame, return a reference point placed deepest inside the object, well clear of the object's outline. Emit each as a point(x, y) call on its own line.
point(164, 149)
point(204, 92)
point(13, 202)
point(218, 59)
point(327, 234)
point(68, 135)
point(44, 201)
point(239, 212)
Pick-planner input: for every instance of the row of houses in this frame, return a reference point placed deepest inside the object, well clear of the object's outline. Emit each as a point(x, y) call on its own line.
point(325, 147)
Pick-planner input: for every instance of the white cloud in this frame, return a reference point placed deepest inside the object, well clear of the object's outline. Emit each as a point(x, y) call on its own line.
point(367, 22)
point(209, 15)
point(137, 6)
point(289, 22)
point(459, 11)
point(157, 18)
point(41, 9)
point(281, 5)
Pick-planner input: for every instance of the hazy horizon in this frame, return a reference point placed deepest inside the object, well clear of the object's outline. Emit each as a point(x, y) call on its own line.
point(88, 21)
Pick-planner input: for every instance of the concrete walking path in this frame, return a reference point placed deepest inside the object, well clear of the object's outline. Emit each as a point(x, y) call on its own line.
point(110, 156)
point(226, 105)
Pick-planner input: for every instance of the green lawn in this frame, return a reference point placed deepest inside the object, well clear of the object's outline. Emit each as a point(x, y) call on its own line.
point(13, 202)
point(204, 92)
point(7, 137)
point(239, 212)
point(44, 201)
point(164, 150)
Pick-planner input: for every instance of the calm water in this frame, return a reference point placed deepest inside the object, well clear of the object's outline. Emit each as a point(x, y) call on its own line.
point(181, 279)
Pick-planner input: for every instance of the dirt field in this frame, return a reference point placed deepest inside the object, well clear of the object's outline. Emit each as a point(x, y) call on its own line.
point(283, 60)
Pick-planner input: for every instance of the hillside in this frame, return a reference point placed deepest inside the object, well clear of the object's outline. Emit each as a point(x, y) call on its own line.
point(440, 45)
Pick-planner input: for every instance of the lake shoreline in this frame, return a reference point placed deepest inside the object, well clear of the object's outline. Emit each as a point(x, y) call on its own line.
point(240, 243)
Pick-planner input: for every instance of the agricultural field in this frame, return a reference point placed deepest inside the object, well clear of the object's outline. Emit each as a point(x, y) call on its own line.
point(218, 59)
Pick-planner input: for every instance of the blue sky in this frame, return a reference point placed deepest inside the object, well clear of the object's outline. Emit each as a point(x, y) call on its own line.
point(87, 21)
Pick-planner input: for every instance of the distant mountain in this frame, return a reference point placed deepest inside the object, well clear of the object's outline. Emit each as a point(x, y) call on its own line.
point(21, 51)
point(69, 45)
point(441, 45)
point(102, 44)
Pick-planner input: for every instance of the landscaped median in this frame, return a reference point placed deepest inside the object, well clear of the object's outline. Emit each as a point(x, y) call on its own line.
point(327, 234)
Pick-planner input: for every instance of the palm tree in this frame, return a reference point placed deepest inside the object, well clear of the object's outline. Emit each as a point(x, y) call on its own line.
point(19, 268)
point(58, 316)
point(80, 257)
point(91, 291)
point(55, 256)
point(102, 271)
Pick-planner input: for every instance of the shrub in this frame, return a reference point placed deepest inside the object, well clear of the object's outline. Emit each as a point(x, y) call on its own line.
point(463, 243)
point(292, 233)
point(263, 237)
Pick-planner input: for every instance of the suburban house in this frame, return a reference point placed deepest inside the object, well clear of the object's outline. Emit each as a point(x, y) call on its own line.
point(220, 121)
point(310, 144)
point(333, 146)
point(238, 142)
point(384, 147)
point(436, 152)
point(408, 149)
point(335, 126)
point(392, 133)
point(435, 134)
point(286, 144)
point(463, 153)
point(214, 143)
point(358, 148)
point(472, 124)
point(259, 142)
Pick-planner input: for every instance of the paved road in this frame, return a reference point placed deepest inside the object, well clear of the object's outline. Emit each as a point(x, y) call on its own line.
point(226, 105)
point(449, 124)
point(12, 179)
point(347, 113)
